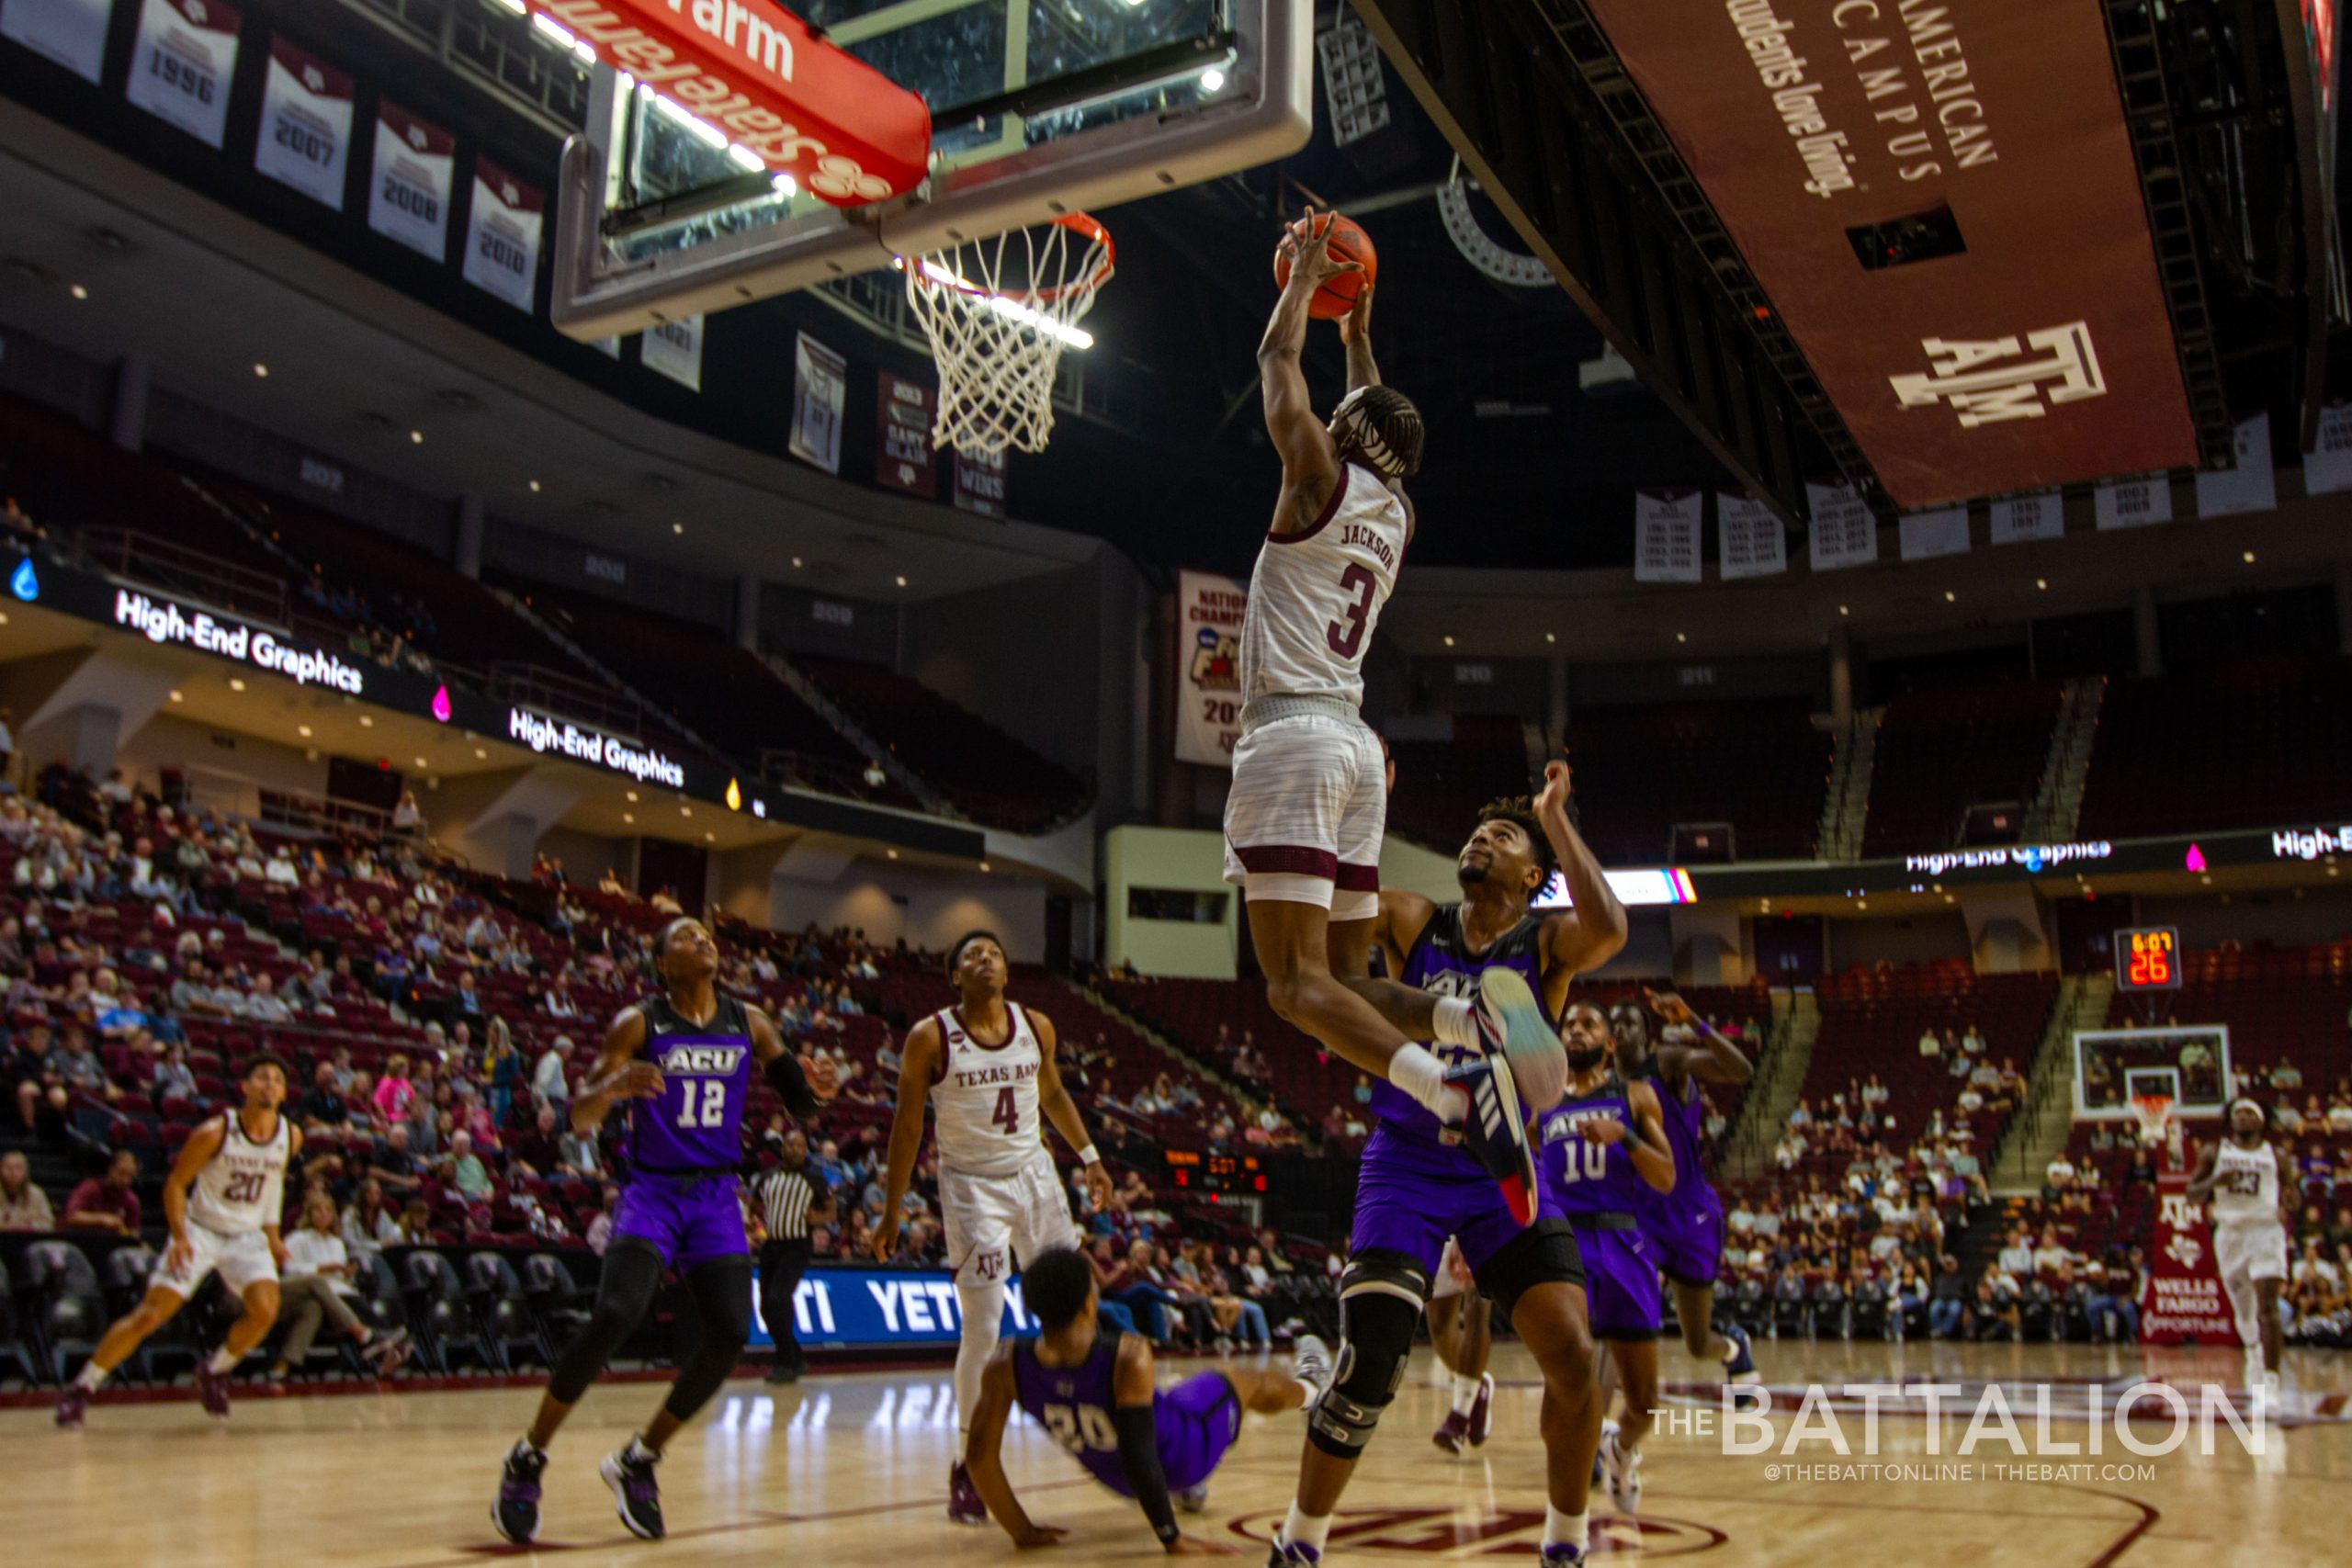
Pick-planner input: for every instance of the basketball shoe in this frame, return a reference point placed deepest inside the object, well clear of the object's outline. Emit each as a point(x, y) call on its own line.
point(1494, 1131)
point(1622, 1471)
point(213, 1389)
point(1281, 1553)
point(1310, 1363)
point(1193, 1499)
point(516, 1515)
point(1452, 1434)
point(73, 1407)
point(1739, 1368)
point(1482, 1411)
point(1561, 1554)
point(637, 1495)
point(965, 1505)
point(1512, 1025)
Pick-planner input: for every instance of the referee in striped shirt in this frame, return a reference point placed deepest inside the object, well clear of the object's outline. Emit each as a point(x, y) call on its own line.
point(791, 1196)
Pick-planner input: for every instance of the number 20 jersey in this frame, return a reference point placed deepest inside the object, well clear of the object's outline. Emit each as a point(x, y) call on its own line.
point(1315, 596)
point(696, 1124)
point(985, 1097)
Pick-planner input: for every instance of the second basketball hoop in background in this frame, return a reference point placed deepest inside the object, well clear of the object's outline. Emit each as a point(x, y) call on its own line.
point(999, 313)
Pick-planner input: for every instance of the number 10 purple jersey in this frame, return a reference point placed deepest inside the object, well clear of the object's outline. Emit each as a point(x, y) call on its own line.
point(696, 1124)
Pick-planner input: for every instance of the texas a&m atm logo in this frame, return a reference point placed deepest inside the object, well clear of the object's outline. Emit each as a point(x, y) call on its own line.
point(1465, 1533)
point(1990, 380)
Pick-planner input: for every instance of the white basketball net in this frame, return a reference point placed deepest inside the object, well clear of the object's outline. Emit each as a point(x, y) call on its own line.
point(2154, 1113)
point(999, 313)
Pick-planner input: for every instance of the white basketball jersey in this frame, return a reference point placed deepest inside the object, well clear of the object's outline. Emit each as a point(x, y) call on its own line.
point(986, 1097)
point(242, 1187)
point(1316, 595)
point(2245, 1184)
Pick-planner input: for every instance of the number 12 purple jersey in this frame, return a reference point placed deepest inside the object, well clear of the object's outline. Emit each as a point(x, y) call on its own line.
point(696, 1123)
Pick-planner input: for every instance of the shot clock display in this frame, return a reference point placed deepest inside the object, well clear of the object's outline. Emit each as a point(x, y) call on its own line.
point(2147, 958)
point(1196, 1171)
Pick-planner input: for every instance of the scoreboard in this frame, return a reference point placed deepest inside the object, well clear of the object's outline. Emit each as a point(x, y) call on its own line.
point(1195, 1171)
point(2147, 958)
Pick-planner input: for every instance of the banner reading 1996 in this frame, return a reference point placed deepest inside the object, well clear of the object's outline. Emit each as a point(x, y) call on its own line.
point(1208, 667)
point(181, 68)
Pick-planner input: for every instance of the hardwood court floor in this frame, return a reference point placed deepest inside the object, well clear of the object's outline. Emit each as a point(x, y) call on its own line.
point(851, 1470)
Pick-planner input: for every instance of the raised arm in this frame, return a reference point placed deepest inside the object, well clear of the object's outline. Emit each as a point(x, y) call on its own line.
point(983, 1455)
point(2201, 1186)
point(1589, 934)
point(906, 1131)
point(1714, 1060)
point(1355, 330)
point(1310, 457)
point(618, 1075)
point(1062, 1111)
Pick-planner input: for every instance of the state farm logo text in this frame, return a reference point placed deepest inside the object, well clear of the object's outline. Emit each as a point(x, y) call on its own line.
point(1990, 380)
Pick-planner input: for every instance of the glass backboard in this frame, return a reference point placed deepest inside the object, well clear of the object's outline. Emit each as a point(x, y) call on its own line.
point(2109, 1063)
point(1039, 107)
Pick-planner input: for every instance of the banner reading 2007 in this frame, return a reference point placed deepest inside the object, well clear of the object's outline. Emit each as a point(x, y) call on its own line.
point(1208, 667)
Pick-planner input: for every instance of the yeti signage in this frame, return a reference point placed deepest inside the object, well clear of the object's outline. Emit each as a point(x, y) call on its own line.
point(1941, 200)
point(1208, 668)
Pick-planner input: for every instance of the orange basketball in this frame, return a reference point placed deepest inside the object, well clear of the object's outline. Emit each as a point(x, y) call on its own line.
point(1348, 242)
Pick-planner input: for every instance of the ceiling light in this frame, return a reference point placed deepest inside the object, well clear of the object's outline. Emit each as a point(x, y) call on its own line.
point(535, 487)
point(1550, 638)
point(893, 853)
point(2247, 557)
point(80, 293)
point(1950, 597)
point(479, 754)
point(517, 7)
point(1449, 642)
point(416, 438)
point(785, 186)
point(424, 762)
point(709, 838)
point(795, 561)
point(984, 865)
point(236, 683)
point(632, 796)
point(179, 697)
point(365, 722)
point(628, 816)
point(677, 527)
point(1213, 80)
point(2042, 584)
point(1682, 637)
point(261, 370)
point(902, 583)
point(303, 731)
point(1843, 611)
point(685, 811)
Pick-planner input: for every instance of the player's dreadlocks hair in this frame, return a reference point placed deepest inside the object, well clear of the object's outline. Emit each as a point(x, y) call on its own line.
point(1380, 425)
point(1519, 811)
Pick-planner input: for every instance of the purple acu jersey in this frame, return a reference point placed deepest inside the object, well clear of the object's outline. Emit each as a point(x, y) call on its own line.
point(696, 1124)
point(1195, 1421)
point(1602, 1196)
point(1685, 1227)
point(1442, 964)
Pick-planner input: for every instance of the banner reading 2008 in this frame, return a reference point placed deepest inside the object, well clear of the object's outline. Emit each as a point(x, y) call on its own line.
point(1208, 667)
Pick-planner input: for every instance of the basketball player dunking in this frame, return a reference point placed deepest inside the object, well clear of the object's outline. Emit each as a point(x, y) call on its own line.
point(2240, 1174)
point(1304, 819)
point(1417, 1187)
point(1685, 1227)
point(1604, 1154)
point(222, 1202)
point(986, 1067)
point(683, 1060)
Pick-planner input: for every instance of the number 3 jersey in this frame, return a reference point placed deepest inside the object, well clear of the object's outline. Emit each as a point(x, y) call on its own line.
point(696, 1123)
point(985, 1097)
point(1316, 595)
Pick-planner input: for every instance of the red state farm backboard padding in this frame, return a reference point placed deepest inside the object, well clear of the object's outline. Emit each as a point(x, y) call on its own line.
point(2043, 354)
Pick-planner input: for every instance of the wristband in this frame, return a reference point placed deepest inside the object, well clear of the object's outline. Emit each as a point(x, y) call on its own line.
point(1087, 1155)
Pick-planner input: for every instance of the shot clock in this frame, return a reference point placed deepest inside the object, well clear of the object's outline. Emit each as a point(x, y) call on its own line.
point(1196, 1170)
point(2147, 958)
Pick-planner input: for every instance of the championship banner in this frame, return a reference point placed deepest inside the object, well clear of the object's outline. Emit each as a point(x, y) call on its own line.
point(980, 483)
point(408, 199)
point(2024, 517)
point(1208, 667)
point(72, 33)
point(2252, 486)
point(903, 457)
point(765, 81)
point(1927, 534)
point(1665, 536)
point(1844, 532)
point(2132, 504)
point(819, 392)
point(2183, 1298)
point(305, 138)
point(503, 236)
point(181, 68)
point(675, 349)
point(1749, 540)
point(1942, 203)
point(2329, 468)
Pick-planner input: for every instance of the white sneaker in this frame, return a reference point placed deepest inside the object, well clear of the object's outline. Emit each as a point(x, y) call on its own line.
point(1622, 1468)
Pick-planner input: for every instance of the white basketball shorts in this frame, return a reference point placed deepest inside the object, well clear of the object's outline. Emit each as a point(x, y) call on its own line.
point(2250, 1249)
point(243, 1261)
point(1304, 820)
point(992, 1221)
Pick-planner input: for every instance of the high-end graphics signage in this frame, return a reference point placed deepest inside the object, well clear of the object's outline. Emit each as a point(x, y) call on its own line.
point(163, 620)
point(581, 743)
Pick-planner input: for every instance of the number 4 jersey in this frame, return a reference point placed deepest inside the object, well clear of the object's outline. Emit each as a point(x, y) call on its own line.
point(985, 1097)
point(696, 1124)
point(1316, 595)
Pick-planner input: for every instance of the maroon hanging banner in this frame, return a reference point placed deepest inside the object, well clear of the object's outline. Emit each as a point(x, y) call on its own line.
point(903, 457)
point(1941, 203)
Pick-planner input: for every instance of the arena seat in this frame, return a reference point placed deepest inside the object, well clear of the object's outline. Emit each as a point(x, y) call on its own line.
point(68, 1311)
point(1940, 752)
point(2263, 744)
point(1761, 766)
point(1441, 785)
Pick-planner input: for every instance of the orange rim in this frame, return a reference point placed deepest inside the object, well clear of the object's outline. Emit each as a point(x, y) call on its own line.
point(1085, 225)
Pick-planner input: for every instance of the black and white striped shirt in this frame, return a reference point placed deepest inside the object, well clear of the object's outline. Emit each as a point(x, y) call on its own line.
point(786, 1196)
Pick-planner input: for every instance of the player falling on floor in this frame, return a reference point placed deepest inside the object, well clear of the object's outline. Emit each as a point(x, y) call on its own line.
point(2240, 1174)
point(1417, 1185)
point(1685, 1227)
point(1089, 1384)
point(1304, 818)
point(683, 1061)
point(1462, 1333)
point(986, 1067)
point(222, 1202)
point(1605, 1155)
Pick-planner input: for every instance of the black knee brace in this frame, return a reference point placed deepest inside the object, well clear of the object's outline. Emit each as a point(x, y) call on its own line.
point(1380, 1307)
point(632, 1273)
point(722, 1295)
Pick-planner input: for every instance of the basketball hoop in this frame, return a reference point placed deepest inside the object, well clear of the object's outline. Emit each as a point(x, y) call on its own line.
point(999, 312)
point(2154, 1113)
